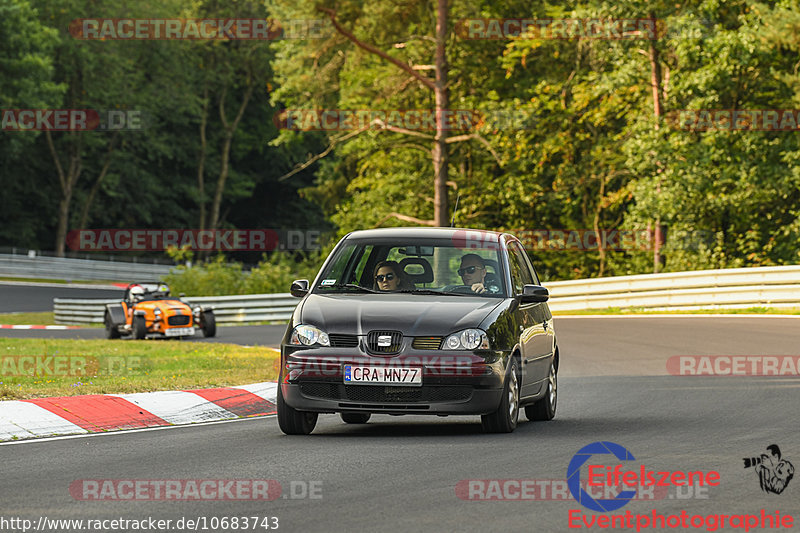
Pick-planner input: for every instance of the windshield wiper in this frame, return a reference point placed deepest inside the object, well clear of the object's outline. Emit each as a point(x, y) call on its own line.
point(433, 292)
point(349, 286)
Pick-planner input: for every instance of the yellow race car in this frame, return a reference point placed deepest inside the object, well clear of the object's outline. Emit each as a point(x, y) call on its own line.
point(148, 310)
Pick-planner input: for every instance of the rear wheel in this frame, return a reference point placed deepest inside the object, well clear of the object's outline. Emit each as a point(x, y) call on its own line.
point(111, 329)
point(355, 418)
point(504, 420)
point(545, 409)
point(139, 327)
point(209, 322)
point(294, 422)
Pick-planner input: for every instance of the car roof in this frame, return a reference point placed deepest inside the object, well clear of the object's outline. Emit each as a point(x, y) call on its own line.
point(431, 233)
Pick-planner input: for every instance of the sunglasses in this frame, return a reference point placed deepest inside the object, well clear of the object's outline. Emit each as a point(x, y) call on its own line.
point(380, 278)
point(468, 270)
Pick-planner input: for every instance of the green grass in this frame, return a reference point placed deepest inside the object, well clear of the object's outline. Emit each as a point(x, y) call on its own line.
point(43, 318)
point(122, 366)
point(643, 311)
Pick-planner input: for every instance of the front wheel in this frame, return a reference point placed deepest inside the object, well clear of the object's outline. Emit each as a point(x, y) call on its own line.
point(112, 332)
point(294, 422)
point(545, 409)
point(355, 418)
point(139, 327)
point(209, 322)
point(504, 420)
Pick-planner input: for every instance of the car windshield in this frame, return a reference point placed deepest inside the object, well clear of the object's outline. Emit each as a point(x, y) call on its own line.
point(152, 291)
point(422, 266)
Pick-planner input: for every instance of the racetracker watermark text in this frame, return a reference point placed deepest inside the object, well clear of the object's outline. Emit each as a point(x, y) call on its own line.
point(403, 120)
point(734, 365)
point(198, 29)
point(244, 240)
point(193, 489)
point(734, 119)
point(71, 120)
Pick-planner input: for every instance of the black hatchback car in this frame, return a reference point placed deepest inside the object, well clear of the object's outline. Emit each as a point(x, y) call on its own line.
point(437, 321)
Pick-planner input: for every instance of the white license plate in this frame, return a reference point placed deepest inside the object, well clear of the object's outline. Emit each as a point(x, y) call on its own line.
point(380, 375)
point(179, 332)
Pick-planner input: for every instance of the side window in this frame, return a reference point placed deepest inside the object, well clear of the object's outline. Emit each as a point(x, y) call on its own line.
point(527, 261)
point(520, 273)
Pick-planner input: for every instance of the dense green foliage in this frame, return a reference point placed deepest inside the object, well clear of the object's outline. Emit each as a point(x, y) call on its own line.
point(592, 153)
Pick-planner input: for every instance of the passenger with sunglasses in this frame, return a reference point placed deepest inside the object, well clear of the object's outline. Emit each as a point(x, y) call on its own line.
point(473, 274)
point(389, 277)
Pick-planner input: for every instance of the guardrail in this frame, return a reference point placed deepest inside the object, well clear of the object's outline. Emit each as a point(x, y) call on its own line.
point(227, 309)
point(45, 267)
point(702, 289)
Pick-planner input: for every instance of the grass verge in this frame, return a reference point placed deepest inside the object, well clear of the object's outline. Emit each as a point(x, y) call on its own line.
point(43, 318)
point(37, 368)
point(643, 311)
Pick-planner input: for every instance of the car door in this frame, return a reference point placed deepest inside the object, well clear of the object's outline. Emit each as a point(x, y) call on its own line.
point(535, 343)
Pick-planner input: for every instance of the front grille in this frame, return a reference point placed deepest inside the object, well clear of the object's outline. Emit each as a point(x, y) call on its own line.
point(385, 393)
point(384, 341)
point(339, 340)
point(179, 320)
point(426, 343)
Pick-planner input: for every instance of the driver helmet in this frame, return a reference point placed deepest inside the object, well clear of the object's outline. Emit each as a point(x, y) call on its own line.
point(136, 293)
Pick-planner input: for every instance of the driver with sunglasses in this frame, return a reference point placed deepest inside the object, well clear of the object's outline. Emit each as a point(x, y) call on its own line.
point(473, 274)
point(389, 277)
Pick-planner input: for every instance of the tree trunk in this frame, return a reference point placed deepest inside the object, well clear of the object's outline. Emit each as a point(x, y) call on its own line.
point(655, 83)
point(201, 163)
point(596, 227)
point(442, 99)
point(230, 129)
point(67, 181)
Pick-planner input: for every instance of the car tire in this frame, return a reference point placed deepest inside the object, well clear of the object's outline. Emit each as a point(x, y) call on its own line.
point(545, 409)
point(504, 420)
point(294, 422)
point(355, 418)
point(111, 329)
point(139, 327)
point(209, 322)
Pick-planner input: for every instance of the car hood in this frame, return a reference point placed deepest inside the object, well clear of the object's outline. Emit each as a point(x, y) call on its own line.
point(412, 314)
point(175, 306)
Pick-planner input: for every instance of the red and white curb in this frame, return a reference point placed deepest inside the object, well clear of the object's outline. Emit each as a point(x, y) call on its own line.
point(70, 415)
point(34, 326)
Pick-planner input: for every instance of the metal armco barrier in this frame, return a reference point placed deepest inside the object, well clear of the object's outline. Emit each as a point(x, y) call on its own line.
point(227, 309)
point(45, 267)
point(701, 289)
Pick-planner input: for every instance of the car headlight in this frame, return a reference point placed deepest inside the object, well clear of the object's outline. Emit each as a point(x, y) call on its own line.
point(157, 313)
point(305, 335)
point(469, 339)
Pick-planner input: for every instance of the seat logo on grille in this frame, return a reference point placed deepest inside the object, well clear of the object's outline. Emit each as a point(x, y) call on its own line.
point(384, 341)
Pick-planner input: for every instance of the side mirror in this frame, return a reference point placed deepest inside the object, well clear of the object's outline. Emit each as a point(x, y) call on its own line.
point(182, 295)
point(533, 294)
point(299, 288)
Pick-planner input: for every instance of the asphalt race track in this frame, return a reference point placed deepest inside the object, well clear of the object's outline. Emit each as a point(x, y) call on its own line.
point(30, 298)
point(402, 473)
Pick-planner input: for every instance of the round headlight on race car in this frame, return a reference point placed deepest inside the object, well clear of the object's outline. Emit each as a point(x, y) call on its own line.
point(305, 335)
point(468, 339)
